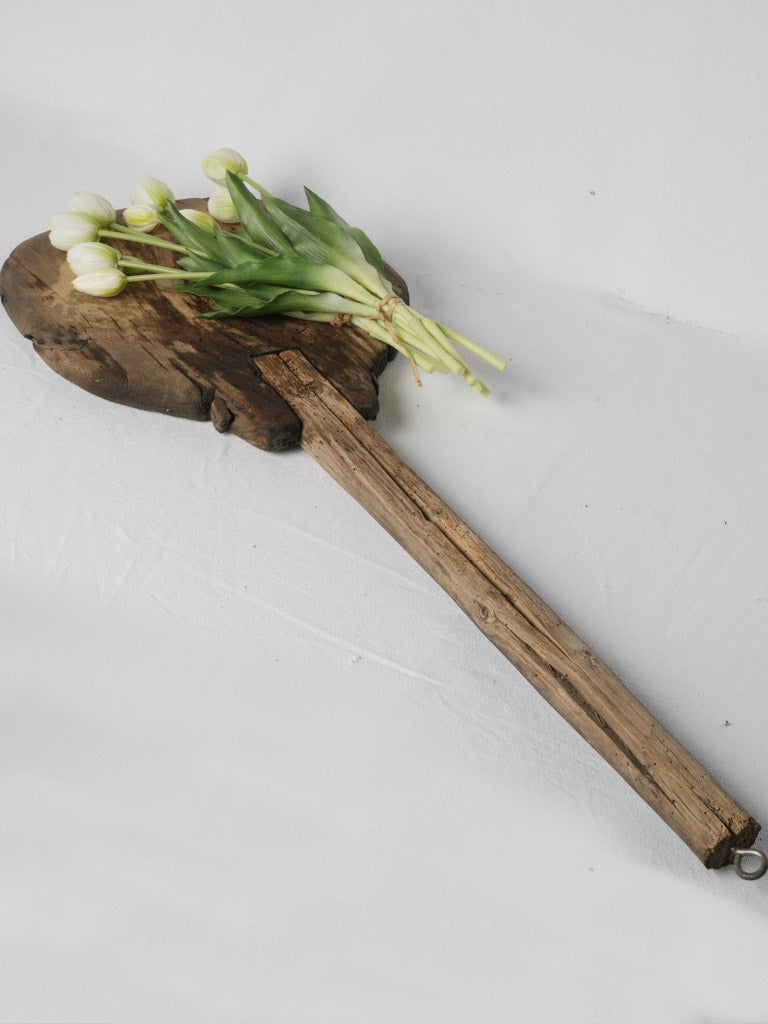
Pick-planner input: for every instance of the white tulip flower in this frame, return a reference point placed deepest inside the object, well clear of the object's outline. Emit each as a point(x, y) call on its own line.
point(67, 229)
point(141, 216)
point(103, 283)
point(96, 206)
point(216, 165)
point(152, 192)
point(221, 207)
point(200, 219)
point(87, 256)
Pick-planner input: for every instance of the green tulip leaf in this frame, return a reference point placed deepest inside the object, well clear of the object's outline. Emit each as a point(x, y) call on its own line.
point(255, 220)
point(318, 207)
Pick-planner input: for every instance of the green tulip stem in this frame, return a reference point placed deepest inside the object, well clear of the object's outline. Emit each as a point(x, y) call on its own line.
point(169, 275)
point(472, 346)
point(256, 185)
point(129, 235)
point(135, 264)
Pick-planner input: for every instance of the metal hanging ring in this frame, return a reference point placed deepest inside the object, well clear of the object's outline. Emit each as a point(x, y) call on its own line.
point(739, 856)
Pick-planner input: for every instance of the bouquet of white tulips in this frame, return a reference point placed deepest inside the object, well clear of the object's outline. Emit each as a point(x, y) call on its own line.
point(272, 258)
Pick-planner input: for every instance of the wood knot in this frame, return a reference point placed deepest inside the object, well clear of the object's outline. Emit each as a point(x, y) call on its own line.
point(221, 415)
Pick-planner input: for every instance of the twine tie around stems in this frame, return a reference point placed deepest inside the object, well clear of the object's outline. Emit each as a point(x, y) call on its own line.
point(385, 308)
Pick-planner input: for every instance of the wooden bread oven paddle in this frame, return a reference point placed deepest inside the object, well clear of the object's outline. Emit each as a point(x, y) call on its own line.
point(278, 383)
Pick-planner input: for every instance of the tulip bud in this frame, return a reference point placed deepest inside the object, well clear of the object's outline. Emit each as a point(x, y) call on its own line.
point(70, 228)
point(102, 283)
point(221, 207)
point(152, 192)
point(96, 206)
point(87, 256)
point(216, 165)
point(141, 216)
point(200, 219)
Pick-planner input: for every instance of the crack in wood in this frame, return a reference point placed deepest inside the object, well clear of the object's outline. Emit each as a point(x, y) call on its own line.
point(204, 389)
point(578, 697)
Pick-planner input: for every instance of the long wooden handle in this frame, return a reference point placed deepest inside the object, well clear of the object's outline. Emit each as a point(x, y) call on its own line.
point(565, 671)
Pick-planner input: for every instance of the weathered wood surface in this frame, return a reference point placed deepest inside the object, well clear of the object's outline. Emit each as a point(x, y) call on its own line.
point(277, 383)
point(565, 671)
point(146, 348)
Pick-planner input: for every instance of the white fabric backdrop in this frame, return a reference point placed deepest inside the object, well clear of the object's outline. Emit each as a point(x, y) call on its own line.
point(255, 765)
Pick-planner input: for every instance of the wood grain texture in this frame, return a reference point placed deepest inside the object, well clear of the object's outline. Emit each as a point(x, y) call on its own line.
point(277, 383)
point(561, 666)
point(148, 348)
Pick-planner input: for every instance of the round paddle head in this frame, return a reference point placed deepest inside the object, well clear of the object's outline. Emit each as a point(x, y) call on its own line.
point(149, 348)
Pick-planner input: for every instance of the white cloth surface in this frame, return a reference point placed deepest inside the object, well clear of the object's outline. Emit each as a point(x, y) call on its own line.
point(256, 765)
